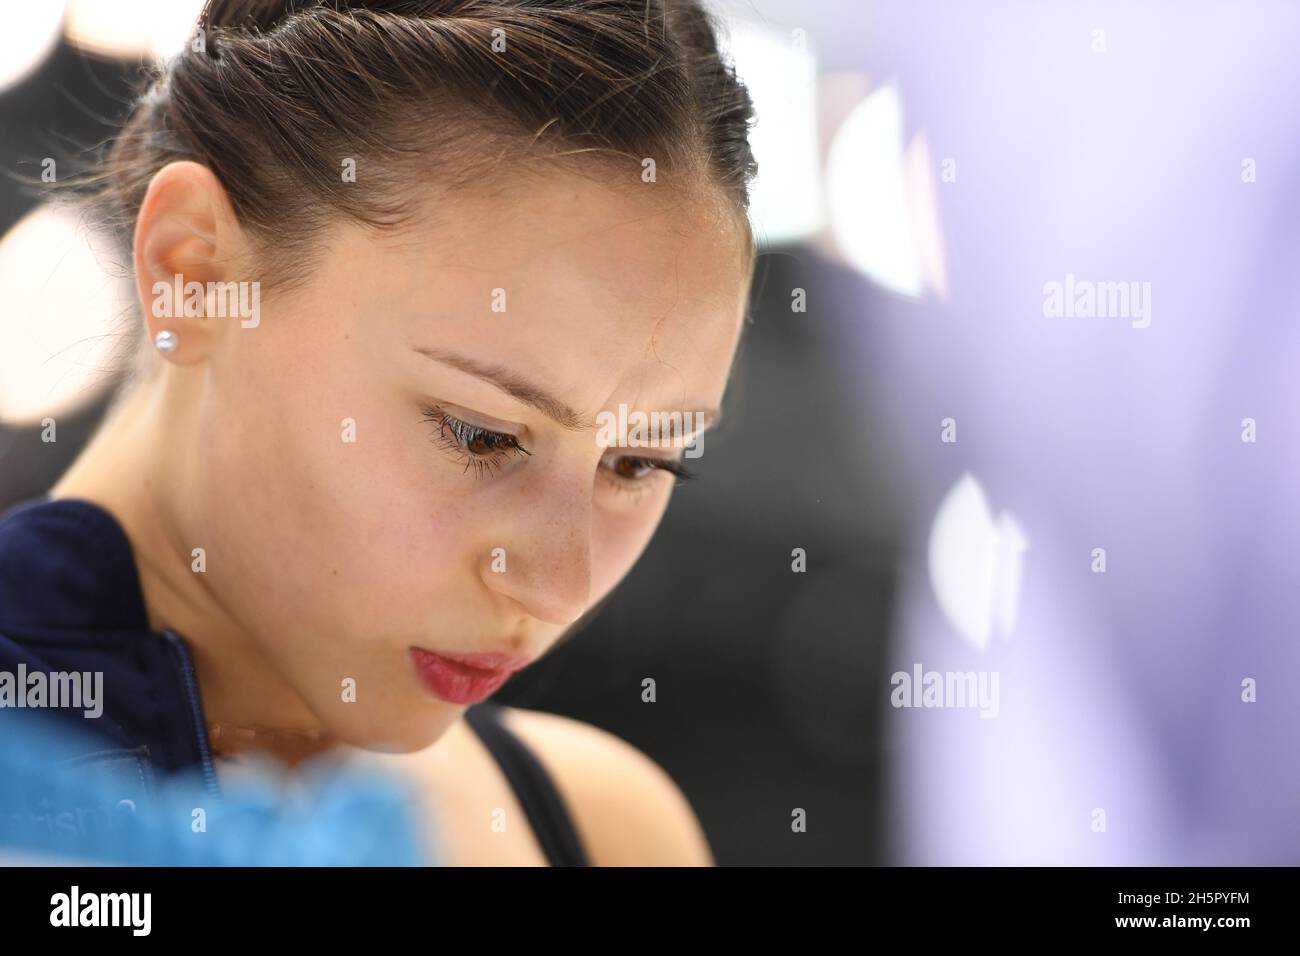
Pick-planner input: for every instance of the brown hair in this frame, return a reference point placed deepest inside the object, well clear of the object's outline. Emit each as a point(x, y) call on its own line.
point(275, 95)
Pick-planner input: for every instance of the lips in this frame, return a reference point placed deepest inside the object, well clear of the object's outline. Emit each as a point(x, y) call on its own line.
point(465, 678)
point(486, 661)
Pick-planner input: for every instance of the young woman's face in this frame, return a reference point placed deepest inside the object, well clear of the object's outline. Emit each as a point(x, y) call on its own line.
point(351, 507)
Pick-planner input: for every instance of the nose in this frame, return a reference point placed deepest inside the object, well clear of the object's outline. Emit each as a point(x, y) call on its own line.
point(546, 566)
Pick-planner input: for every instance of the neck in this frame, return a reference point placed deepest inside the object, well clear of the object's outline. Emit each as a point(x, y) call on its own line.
point(138, 467)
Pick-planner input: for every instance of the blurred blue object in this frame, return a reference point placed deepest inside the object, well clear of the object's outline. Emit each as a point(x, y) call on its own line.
point(52, 805)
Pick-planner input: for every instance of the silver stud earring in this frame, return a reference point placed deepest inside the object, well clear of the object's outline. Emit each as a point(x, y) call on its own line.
point(166, 341)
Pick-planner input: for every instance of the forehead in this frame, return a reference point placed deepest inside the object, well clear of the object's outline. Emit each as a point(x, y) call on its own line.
point(603, 284)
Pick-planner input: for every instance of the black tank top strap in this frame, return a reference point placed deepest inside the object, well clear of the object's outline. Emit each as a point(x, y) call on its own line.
point(545, 807)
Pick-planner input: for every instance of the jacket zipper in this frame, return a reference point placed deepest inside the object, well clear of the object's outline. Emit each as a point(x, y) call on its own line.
point(196, 711)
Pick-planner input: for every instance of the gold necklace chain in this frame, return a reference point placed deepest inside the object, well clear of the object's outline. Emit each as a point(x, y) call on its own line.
point(242, 733)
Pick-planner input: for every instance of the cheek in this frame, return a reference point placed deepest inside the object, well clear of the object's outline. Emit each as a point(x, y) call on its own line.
point(321, 502)
point(619, 539)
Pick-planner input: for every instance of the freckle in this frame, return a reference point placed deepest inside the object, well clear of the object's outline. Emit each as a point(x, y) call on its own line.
point(335, 572)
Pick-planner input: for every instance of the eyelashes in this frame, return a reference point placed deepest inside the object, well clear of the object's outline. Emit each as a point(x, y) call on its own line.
point(482, 450)
point(487, 452)
point(651, 465)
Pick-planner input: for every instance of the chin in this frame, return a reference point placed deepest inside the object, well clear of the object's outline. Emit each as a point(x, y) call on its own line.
point(411, 732)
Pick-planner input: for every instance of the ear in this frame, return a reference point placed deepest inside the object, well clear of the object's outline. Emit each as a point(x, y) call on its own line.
point(186, 233)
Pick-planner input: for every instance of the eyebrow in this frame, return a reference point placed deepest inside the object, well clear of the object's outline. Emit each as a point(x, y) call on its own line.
point(517, 387)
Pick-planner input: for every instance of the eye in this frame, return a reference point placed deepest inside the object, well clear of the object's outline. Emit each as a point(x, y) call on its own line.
point(483, 450)
point(627, 472)
point(486, 451)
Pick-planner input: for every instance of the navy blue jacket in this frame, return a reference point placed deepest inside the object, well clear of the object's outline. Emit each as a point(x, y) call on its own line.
point(70, 600)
